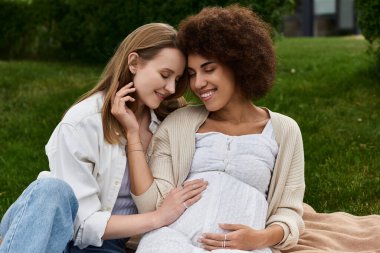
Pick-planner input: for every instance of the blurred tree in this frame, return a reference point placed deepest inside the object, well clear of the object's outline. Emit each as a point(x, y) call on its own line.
point(14, 20)
point(369, 23)
point(91, 30)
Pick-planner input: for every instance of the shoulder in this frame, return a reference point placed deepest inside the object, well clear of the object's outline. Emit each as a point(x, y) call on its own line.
point(182, 121)
point(86, 111)
point(282, 119)
point(284, 125)
point(81, 123)
point(190, 113)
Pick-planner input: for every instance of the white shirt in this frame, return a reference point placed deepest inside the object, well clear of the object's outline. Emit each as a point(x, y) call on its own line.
point(79, 155)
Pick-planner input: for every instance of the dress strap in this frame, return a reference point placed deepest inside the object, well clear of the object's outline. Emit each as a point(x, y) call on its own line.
point(268, 129)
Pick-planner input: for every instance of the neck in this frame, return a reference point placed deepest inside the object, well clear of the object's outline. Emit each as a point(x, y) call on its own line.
point(242, 111)
point(140, 112)
point(232, 114)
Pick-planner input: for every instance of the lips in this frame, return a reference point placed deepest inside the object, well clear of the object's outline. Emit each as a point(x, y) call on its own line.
point(207, 95)
point(160, 95)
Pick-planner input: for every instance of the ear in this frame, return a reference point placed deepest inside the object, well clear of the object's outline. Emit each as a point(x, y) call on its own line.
point(132, 62)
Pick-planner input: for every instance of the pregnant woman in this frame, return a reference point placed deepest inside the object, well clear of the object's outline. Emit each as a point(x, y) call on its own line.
point(251, 157)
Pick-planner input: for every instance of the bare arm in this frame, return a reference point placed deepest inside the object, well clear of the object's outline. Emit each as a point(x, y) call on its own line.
point(140, 175)
point(122, 226)
point(139, 172)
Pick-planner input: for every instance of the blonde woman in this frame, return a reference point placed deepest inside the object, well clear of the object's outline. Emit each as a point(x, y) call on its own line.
point(84, 203)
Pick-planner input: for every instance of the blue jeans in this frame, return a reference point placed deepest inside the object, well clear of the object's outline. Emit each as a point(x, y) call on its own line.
point(42, 220)
point(109, 246)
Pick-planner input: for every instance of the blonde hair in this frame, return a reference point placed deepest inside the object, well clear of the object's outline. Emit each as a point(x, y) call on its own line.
point(147, 40)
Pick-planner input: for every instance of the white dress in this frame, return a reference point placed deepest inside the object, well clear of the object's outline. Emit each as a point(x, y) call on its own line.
point(238, 170)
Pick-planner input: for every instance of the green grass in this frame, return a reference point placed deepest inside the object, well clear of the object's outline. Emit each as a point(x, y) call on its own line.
point(33, 98)
point(334, 96)
point(331, 92)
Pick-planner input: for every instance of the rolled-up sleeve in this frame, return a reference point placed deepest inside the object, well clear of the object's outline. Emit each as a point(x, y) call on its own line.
point(91, 230)
point(73, 153)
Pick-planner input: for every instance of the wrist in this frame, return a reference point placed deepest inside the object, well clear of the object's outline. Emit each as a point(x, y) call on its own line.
point(258, 239)
point(133, 137)
point(157, 220)
point(272, 235)
point(265, 237)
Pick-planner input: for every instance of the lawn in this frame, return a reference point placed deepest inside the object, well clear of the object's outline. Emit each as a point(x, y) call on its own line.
point(325, 84)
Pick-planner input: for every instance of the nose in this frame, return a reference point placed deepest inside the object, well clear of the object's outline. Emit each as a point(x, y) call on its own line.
point(170, 87)
point(199, 82)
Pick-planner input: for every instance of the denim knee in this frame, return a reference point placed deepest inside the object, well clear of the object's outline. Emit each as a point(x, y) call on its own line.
point(56, 191)
point(44, 212)
point(55, 185)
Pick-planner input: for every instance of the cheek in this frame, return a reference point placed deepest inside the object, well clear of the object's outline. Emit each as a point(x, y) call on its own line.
point(192, 84)
point(141, 82)
point(138, 83)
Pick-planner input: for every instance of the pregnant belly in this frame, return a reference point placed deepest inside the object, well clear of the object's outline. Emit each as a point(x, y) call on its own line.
point(226, 200)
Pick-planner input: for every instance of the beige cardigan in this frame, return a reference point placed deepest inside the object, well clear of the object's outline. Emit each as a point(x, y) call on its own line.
point(171, 152)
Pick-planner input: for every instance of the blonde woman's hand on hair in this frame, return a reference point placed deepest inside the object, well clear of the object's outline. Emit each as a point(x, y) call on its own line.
point(179, 199)
point(121, 112)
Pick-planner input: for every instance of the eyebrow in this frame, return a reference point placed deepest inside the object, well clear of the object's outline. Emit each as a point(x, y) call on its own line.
point(206, 63)
point(172, 72)
point(167, 69)
point(203, 64)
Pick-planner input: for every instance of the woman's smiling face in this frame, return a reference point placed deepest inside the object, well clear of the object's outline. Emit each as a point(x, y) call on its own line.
point(212, 81)
point(156, 79)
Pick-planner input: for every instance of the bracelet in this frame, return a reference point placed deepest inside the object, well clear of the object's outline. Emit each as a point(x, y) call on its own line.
point(134, 143)
point(129, 151)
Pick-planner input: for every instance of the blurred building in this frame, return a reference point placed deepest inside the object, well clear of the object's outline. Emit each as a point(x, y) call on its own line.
point(321, 18)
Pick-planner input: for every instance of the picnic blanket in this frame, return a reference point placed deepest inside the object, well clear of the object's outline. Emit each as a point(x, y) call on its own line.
point(338, 232)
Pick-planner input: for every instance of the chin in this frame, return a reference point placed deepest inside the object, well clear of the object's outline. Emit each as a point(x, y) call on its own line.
point(153, 106)
point(212, 108)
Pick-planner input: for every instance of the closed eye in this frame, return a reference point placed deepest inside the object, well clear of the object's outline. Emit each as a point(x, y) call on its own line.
point(191, 73)
point(165, 75)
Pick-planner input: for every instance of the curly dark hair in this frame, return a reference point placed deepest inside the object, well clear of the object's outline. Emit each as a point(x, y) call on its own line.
point(236, 37)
